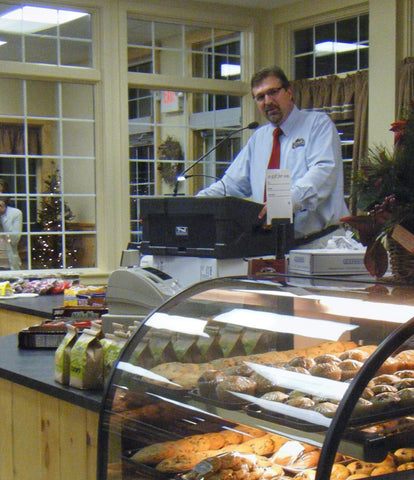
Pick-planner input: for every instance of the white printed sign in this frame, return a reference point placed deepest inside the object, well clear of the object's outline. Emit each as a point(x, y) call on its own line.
point(279, 198)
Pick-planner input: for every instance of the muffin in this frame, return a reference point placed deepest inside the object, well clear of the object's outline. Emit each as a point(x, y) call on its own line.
point(326, 370)
point(208, 382)
point(235, 383)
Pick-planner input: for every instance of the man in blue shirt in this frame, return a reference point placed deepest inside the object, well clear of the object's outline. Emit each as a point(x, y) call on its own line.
point(309, 148)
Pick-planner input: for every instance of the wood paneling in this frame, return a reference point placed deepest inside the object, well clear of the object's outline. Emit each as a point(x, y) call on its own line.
point(44, 438)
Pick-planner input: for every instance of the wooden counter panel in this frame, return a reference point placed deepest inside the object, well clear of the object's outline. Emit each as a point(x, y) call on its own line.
point(13, 322)
point(45, 438)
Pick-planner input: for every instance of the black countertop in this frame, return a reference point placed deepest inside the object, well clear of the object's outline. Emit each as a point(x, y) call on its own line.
point(40, 306)
point(35, 369)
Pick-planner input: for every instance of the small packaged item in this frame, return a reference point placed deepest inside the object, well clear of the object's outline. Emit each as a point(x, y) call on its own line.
point(70, 297)
point(62, 355)
point(112, 345)
point(5, 289)
point(86, 361)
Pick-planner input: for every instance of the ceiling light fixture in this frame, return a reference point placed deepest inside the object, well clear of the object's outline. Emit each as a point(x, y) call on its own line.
point(325, 48)
point(35, 19)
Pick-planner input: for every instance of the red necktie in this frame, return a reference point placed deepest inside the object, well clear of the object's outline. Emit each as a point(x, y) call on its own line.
point(274, 160)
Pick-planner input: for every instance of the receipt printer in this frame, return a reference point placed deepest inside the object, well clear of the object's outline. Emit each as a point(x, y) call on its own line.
point(133, 292)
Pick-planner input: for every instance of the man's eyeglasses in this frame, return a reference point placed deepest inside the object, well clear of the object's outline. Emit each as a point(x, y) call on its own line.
point(272, 93)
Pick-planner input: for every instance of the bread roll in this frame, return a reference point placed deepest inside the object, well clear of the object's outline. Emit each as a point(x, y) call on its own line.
point(307, 474)
point(405, 466)
point(383, 388)
point(302, 361)
point(328, 409)
point(288, 453)
point(357, 476)
point(384, 379)
point(208, 381)
point(327, 358)
point(306, 460)
point(301, 402)
point(349, 368)
point(361, 468)
point(237, 384)
point(155, 453)
point(275, 396)
point(263, 385)
point(404, 373)
point(404, 455)
point(327, 370)
point(406, 395)
point(339, 472)
point(385, 400)
point(405, 359)
point(354, 354)
point(390, 365)
point(404, 383)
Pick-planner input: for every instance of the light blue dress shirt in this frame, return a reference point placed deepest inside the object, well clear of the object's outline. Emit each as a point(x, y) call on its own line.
point(10, 232)
point(310, 148)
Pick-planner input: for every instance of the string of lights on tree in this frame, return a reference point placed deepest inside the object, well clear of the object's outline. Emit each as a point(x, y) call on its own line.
point(48, 250)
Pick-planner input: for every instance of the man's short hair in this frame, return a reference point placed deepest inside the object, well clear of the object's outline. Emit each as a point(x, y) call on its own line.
point(273, 71)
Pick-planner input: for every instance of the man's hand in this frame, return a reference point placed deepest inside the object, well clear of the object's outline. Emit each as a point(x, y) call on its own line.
point(262, 213)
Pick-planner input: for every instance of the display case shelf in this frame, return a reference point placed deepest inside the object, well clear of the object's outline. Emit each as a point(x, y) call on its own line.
point(171, 390)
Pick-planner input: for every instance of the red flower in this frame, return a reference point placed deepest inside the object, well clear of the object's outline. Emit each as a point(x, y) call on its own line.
point(398, 128)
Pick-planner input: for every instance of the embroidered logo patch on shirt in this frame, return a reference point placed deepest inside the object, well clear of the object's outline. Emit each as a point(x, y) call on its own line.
point(299, 142)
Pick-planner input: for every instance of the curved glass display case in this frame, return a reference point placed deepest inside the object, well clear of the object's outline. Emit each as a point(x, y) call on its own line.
point(278, 376)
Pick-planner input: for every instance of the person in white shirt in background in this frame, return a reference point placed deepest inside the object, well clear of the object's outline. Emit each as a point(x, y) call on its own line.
point(310, 149)
point(11, 220)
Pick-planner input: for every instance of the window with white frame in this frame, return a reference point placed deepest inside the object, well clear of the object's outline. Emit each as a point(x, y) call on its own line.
point(47, 137)
point(332, 48)
point(337, 47)
point(168, 130)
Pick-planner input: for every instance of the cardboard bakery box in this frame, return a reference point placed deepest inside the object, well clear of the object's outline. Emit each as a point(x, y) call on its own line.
point(327, 262)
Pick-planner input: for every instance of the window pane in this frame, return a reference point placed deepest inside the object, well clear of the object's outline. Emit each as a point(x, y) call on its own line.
point(363, 28)
point(42, 99)
point(12, 103)
point(325, 33)
point(304, 66)
point(347, 30)
point(79, 176)
point(76, 53)
point(83, 106)
point(43, 30)
point(303, 41)
point(12, 49)
point(78, 138)
point(78, 28)
point(346, 62)
point(41, 50)
point(363, 58)
point(324, 65)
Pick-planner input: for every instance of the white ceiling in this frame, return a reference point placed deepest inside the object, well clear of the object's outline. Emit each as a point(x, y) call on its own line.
point(259, 4)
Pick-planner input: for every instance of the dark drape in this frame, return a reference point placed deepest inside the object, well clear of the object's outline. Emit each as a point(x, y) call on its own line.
point(343, 98)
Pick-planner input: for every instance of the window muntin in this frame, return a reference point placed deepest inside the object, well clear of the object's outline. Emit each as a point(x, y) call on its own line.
point(196, 121)
point(50, 169)
point(34, 34)
point(332, 48)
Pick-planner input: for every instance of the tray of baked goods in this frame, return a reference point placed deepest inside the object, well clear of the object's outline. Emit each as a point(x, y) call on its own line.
point(192, 455)
point(246, 452)
point(379, 438)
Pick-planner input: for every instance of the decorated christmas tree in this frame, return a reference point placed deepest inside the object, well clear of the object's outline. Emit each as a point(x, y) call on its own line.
point(47, 249)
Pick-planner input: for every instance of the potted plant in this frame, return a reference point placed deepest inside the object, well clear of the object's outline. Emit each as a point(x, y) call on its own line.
point(384, 190)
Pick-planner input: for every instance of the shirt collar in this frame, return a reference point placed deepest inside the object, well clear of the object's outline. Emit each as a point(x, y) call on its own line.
point(288, 125)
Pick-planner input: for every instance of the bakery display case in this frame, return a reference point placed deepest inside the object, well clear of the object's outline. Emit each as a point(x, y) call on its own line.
point(271, 377)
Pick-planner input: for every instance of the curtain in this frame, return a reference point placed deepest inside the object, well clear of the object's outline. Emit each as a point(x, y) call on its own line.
point(405, 88)
point(343, 99)
point(12, 139)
